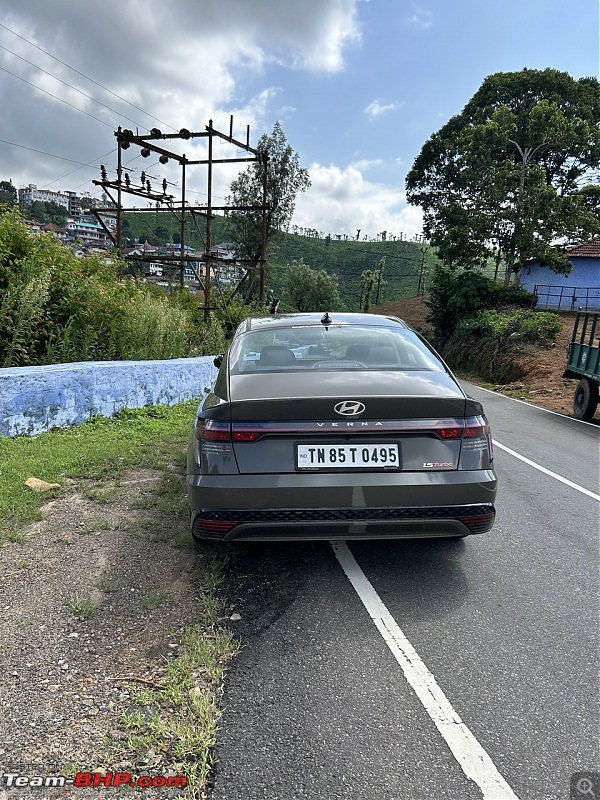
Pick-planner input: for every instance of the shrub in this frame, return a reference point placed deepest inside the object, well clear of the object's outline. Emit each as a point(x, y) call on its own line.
point(456, 296)
point(55, 307)
point(527, 326)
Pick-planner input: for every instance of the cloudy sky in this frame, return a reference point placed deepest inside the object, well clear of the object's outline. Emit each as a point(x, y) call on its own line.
point(358, 85)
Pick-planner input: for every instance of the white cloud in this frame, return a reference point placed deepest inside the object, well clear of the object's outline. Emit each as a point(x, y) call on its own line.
point(376, 109)
point(340, 201)
point(182, 61)
point(422, 17)
point(363, 164)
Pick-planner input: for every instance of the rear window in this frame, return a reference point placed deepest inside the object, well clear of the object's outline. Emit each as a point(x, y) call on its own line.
point(333, 347)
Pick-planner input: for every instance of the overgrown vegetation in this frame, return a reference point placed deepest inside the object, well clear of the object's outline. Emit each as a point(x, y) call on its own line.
point(478, 324)
point(455, 296)
point(55, 307)
point(180, 714)
point(520, 325)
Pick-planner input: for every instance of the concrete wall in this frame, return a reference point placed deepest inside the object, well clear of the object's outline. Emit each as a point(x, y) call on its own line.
point(36, 399)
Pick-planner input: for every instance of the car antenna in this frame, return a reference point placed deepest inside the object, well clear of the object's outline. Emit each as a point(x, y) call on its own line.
point(326, 319)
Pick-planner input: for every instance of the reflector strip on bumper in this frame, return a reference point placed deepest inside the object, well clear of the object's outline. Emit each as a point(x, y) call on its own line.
point(216, 522)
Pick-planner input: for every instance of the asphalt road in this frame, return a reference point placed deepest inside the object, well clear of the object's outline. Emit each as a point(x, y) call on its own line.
point(316, 704)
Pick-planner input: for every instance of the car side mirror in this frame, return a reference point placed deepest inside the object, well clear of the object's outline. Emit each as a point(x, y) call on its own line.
point(218, 360)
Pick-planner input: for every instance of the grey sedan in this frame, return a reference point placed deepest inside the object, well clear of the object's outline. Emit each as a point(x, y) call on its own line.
point(341, 426)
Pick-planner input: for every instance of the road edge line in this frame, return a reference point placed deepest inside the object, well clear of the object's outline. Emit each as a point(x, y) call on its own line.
point(472, 758)
point(531, 405)
point(547, 471)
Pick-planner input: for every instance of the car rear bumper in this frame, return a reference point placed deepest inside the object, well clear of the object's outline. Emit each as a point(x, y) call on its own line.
point(335, 506)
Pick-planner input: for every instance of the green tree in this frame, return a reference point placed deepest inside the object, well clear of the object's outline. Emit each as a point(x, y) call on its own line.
point(47, 211)
point(310, 289)
point(502, 178)
point(285, 180)
point(8, 194)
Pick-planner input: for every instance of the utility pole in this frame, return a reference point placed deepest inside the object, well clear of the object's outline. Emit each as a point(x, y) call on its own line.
point(263, 233)
point(165, 203)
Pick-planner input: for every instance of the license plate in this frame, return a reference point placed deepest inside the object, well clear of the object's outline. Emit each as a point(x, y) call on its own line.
point(347, 456)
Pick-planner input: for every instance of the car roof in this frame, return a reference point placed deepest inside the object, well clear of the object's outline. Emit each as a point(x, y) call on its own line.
point(316, 318)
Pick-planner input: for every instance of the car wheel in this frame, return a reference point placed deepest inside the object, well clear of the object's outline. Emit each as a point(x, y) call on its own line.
point(585, 400)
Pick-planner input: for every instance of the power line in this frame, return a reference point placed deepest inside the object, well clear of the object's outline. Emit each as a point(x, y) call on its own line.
point(64, 63)
point(98, 158)
point(43, 152)
point(56, 98)
point(85, 94)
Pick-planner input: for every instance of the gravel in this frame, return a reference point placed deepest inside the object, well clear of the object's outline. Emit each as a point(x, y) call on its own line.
point(66, 680)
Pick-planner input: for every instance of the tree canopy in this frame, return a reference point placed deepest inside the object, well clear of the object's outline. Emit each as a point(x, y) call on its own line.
point(310, 289)
point(8, 194)
point(509, 177)
point(285, 180)
point(47, 211)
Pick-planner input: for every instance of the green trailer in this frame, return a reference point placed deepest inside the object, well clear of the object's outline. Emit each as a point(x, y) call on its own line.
point(584, 363)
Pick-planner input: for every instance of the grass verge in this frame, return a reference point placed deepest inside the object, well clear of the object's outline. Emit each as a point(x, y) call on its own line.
point(145, 437)
point(170, 726)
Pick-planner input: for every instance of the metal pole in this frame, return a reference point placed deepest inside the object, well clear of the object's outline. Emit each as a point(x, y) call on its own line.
point(119, 208)
point(182, 243)
point(208, 224)
point(263, 233)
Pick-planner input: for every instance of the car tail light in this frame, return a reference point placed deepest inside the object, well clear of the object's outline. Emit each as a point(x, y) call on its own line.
point(450, 433)
point(242, 434)
point(212, 430)
point(216, 431)
point(476, 449)
point(473, 429)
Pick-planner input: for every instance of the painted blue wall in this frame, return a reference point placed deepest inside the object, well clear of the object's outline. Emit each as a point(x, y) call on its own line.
point(36, 399)
point(584, 275)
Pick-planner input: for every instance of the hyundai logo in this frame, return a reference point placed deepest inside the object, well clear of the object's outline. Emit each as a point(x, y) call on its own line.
point(349, 408)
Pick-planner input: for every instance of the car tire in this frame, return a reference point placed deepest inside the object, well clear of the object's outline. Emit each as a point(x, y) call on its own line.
point(585, 399)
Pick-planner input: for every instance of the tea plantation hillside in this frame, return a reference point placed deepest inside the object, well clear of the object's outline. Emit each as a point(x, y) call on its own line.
point(347, 259)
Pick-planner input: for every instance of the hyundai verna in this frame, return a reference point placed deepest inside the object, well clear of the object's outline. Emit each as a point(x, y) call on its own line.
point(341, 426)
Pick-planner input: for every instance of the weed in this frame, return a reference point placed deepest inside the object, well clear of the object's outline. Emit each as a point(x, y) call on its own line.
point(23, 564)
point(182, 714)
point(81, 607)
point(106, 581)
point(69, 769)
point(103, 494)
point(100, 525)
point(154, 600)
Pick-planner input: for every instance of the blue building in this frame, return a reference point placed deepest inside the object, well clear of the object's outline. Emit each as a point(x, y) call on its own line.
point(579, 289)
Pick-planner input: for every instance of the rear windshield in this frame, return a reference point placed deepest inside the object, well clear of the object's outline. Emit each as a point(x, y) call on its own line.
point(331, 348)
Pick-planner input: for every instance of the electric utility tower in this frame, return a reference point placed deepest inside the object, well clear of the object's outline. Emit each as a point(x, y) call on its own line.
point(179, 206)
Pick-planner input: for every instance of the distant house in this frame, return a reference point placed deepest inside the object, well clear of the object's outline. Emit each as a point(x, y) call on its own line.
point(579, 289)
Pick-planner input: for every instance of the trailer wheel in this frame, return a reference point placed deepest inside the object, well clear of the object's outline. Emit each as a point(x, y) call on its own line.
point(585, 400)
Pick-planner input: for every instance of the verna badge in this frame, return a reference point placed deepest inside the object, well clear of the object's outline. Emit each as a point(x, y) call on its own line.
point(349, 408)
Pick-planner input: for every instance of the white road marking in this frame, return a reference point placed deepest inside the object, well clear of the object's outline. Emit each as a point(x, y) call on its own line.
point(472, 758)
point(547, 471)
point(533, 405)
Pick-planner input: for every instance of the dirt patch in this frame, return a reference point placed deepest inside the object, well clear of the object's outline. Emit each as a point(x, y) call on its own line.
point(542, 383)
point(93, 604)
